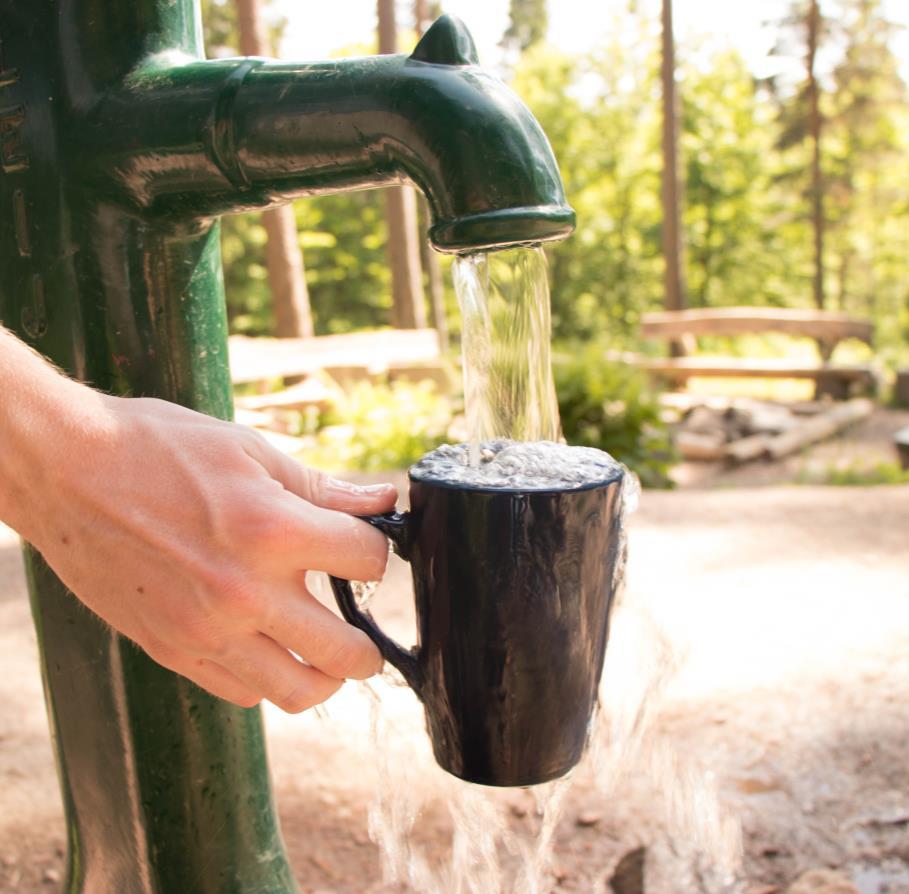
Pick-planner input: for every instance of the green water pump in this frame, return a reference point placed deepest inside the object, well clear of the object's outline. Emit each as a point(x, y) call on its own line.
point(120, 147)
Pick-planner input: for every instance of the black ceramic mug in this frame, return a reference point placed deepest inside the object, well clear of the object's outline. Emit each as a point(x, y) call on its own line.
point(513, 593)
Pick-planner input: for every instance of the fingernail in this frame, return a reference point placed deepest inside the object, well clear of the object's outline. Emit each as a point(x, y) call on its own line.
point(351, 488)
point(376, 488)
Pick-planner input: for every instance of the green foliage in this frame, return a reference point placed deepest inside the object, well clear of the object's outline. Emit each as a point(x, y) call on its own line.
point(382, 426)
point(867, 196)
point(343, 238)
point(612, 406)
point(864, 142)
point(746, 218)
point(600, 118)
point(219, 27)
point(243, 238)
point(249, 310)
point(734, 256)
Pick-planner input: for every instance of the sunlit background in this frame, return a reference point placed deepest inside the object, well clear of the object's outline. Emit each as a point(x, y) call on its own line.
point(574, 25)
point(758, 664)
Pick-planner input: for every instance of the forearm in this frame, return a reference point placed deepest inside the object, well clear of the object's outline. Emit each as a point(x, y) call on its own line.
point(46, 419)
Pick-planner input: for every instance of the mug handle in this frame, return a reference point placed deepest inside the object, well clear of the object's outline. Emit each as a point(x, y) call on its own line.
point(396, 526)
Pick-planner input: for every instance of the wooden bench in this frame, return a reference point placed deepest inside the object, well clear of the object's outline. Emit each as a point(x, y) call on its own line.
point(342, 359)
point(827, 328)
point(318, 368)
point(263, 359)
point(901, 441)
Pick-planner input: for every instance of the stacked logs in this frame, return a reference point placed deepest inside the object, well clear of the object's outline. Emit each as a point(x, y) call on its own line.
point(741, 431)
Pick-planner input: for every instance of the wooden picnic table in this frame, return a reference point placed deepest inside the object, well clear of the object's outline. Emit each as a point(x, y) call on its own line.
point(827, 328)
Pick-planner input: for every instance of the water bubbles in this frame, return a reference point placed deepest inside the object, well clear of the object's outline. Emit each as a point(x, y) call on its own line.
point(536, 465)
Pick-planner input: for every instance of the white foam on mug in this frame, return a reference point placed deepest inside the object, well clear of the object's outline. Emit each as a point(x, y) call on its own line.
point(520, 465)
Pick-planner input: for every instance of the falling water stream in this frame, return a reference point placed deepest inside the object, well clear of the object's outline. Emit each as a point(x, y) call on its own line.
point(505, 339)
point(509, 392)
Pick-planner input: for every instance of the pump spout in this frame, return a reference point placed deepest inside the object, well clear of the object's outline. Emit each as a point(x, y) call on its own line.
point(250, 133)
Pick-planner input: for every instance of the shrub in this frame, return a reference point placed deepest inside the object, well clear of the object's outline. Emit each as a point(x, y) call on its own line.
point(381, 426)
point(613, 406)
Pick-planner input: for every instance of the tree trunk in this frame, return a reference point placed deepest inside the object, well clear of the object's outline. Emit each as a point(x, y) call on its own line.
point(434, 280)
point(672, 243)
point(429, 257)
point(421, 16)
point(408, 310)
point(283, 256)
point(815, 124)
point(286, 277)
point(425, 13)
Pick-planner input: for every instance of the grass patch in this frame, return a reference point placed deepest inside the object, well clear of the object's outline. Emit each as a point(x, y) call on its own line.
point(853, 473)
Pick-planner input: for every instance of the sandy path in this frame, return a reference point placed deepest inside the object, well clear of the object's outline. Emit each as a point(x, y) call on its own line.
point(785, 615)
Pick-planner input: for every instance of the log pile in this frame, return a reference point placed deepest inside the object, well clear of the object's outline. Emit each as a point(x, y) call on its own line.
point(738, 431)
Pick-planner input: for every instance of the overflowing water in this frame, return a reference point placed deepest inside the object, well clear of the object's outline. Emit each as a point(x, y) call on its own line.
point(535, 465)
point(439, 835)
point(505, 346)
point(501, 841)
point(418, 806)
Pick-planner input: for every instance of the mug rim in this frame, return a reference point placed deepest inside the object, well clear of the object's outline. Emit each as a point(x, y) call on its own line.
point(546, 491)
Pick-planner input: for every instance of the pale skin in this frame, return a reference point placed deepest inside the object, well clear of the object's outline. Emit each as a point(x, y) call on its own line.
point(189, 535)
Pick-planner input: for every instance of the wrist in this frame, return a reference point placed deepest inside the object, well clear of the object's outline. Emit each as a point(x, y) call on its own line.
point(49, 425)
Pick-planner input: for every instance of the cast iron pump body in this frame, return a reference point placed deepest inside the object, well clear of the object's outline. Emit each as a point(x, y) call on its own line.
point(120, 147)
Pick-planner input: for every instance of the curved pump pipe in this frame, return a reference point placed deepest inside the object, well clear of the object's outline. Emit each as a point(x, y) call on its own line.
point(229, 135)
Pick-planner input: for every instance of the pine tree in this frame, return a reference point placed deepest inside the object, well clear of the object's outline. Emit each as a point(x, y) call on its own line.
point(674, 276)
point(527, 24)
point(868, 96)
point(804, 31)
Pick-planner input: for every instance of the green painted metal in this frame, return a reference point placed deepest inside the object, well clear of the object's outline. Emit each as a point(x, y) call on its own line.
point(200, 139)
point(119, 149)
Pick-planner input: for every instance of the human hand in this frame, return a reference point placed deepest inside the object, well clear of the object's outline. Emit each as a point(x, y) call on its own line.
point(192, 537)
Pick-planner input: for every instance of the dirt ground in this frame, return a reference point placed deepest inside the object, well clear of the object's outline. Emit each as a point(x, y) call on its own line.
point(765, 630)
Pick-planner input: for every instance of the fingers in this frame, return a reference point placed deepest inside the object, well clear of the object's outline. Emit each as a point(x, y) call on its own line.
point(318, 529)
point(209, 675)
point(323, 490)
point(357, 499)
point(305, 626)
point(324, 540)
point(219, 681)
point(270, 670)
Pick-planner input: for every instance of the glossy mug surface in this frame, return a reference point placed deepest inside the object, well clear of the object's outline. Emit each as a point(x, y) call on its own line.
point(513, 594)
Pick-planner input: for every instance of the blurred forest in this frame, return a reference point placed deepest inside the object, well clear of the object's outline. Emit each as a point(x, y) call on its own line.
point(746, 153)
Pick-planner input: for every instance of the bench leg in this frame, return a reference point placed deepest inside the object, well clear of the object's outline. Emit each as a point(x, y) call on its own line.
point(831, 385)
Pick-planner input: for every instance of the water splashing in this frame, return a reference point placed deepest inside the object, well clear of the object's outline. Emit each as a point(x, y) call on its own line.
point(439, 835)
point(486, 853)
point(417, 807)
